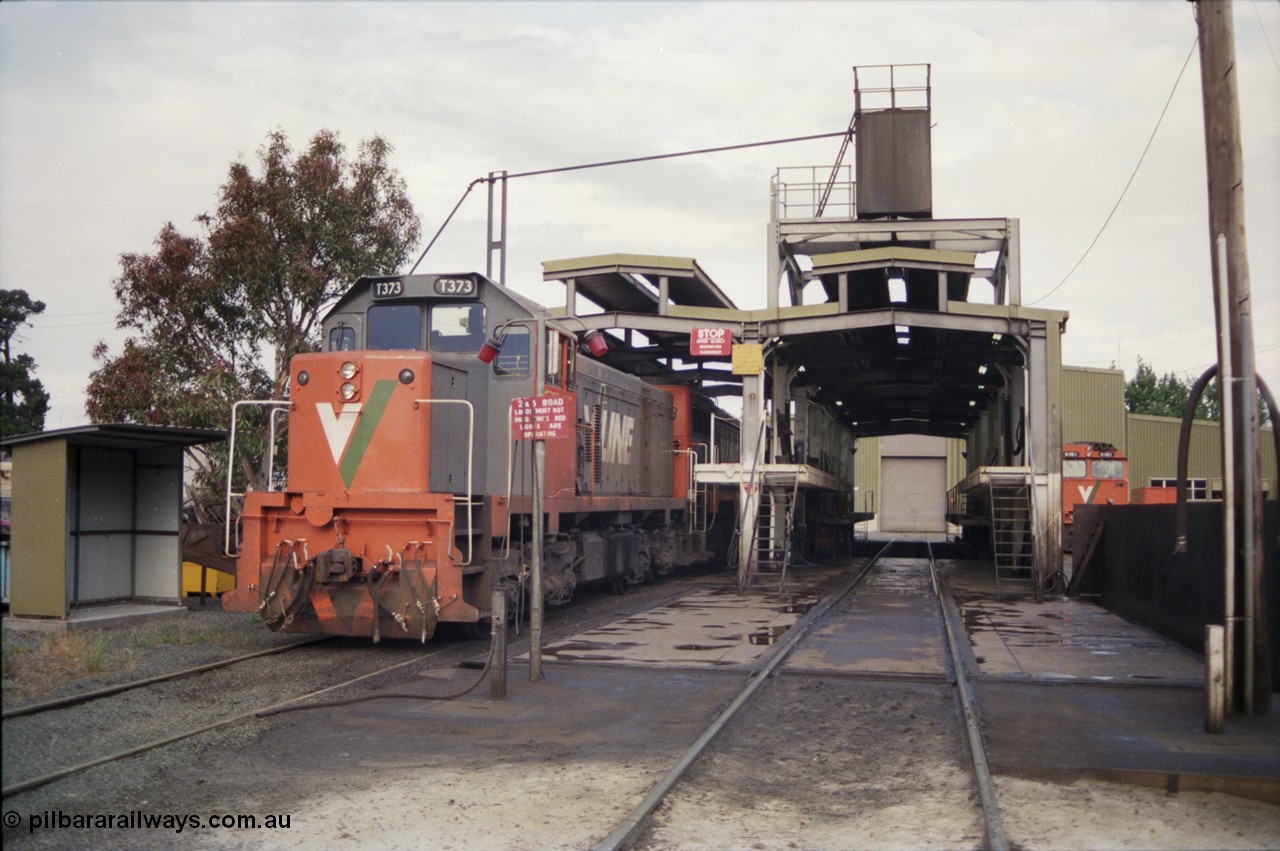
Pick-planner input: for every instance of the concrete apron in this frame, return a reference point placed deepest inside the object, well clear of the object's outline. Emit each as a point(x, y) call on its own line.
point(1067, 689)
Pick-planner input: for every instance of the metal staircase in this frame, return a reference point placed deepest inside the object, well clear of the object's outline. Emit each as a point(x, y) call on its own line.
point(1011, 536)
point(770, 548)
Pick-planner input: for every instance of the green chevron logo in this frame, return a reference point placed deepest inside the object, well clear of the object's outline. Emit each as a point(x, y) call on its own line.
point(350, 431)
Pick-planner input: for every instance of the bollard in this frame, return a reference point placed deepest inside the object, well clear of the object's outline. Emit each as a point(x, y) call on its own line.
point(498, 648)
point(1215, 684)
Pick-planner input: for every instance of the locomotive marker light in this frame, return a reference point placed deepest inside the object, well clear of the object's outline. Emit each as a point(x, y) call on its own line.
point(489, 350)
point(595, 342)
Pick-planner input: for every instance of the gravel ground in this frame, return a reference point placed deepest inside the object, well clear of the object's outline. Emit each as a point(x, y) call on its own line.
point(812, 763)
point(35, 745)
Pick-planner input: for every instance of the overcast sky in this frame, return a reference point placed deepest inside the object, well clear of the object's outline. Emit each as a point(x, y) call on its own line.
point(116, 117)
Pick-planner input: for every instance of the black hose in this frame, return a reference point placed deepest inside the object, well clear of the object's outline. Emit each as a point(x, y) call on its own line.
point(1184, 445)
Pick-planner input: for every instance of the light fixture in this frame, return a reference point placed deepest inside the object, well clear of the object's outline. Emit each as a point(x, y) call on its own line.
point(490, 350)
point(596, 343)
point(347, 370)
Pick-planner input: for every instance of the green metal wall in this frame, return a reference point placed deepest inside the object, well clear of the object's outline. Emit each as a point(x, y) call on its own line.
point(38, 567)
point(1093, 406)
point(1153, 450)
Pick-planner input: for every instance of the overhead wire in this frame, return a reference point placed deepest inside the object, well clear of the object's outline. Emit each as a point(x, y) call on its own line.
point(606, 163)
point(1128, 183)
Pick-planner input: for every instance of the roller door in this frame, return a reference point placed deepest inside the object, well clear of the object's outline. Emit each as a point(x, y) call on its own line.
point(915, 494)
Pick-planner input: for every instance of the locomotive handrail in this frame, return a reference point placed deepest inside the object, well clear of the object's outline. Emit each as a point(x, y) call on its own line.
point(693, 485)
point(691, 488)
point(231, 455)
point(471, 428)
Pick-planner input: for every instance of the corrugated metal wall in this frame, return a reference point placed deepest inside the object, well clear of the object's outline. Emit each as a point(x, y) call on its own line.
point(866, 473)
point(1093, 406)
point(1154, 450)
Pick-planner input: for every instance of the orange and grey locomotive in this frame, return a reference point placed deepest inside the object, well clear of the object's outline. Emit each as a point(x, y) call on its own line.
point(409, 494)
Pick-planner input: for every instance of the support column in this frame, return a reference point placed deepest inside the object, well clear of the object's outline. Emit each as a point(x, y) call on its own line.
point(752, 452)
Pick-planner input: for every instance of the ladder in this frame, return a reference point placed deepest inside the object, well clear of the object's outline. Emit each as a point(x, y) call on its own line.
point(775, 529)
point(1012, 535)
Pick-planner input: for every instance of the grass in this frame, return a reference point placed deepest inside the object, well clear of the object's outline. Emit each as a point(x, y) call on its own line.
point(32, 663)
point(180, 632)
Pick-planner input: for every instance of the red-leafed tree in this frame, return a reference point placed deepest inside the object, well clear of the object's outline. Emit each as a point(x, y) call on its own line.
point(218, 314)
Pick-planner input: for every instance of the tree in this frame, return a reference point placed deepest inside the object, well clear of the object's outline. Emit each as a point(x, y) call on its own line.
point(1162, 397)
point(24, 401)
point(1167, 396)
point(219, 314)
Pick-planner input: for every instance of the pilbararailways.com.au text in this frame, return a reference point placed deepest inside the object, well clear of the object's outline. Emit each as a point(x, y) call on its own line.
point(139, 820)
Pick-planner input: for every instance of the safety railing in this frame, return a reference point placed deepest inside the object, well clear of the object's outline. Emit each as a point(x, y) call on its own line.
point(276, 407)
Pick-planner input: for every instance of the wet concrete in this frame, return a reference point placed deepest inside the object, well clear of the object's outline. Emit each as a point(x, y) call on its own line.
point(712, 626)
point(1067, 688)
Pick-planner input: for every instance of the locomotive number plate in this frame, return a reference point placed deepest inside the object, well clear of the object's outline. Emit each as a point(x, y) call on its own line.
point(388, 289)
point(455, 286)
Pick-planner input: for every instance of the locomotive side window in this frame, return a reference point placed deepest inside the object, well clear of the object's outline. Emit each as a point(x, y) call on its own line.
point(1074, 468)
point(342, 339)
point(554, 358)
point(457, 327)
point(395, 326)
point(561, 351)
point(513, 359)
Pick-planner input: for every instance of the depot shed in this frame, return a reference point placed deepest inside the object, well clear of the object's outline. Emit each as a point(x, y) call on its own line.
point(97, 514)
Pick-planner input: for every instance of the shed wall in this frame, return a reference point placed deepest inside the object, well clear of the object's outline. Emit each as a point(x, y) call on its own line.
point(38, 577)
point(1093, 406)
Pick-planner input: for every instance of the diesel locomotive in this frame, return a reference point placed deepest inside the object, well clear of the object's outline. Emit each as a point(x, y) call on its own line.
point(409, 491)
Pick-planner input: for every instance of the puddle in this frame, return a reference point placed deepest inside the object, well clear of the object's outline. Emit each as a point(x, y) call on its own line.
point(767, 635)
point(797, 607)
point(703, 646)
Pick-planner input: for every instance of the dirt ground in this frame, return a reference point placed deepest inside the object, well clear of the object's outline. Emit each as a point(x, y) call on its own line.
point(813, 763)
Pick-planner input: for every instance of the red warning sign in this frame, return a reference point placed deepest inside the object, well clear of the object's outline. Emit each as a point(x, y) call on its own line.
point(710, 342)
point(540, 417)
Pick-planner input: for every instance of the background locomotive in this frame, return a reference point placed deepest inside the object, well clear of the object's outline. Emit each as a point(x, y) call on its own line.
point(408, 497)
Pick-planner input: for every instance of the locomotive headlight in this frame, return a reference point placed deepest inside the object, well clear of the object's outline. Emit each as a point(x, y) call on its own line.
point(406, 376)
point(347, 370)
point(347, 390)
point(303, 377)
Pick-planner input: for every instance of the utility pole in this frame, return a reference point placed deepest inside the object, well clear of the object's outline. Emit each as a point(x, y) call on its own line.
point(1247, 662)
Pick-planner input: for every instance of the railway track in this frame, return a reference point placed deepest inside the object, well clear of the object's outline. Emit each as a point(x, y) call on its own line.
point(636, 829)
point(441, 654)
point(86, 696)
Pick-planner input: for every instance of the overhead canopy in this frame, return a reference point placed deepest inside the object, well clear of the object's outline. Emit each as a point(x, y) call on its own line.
point(632, 282)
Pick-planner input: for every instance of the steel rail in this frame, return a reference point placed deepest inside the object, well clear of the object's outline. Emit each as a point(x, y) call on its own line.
point(996, 840)
point(85, 697)
point(637, 820)
point(59, 774)
point(45, 779)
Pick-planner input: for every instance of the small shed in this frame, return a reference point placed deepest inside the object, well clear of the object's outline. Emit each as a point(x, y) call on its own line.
point(97, 514)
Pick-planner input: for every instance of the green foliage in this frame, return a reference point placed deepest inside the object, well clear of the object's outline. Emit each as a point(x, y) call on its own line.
point(23, 399)
point(1167, 396)
point(219, 315)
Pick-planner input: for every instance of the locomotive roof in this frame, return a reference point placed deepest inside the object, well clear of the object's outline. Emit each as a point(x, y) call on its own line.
point(360, 289)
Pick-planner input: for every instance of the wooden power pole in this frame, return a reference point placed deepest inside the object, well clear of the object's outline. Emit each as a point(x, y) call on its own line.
point(1248, 665)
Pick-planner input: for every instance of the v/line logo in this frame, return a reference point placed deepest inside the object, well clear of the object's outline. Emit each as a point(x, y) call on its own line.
point(349, 429)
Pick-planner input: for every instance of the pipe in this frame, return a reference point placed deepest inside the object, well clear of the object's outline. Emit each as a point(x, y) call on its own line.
point(1184, 447)
point(1225, 380)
